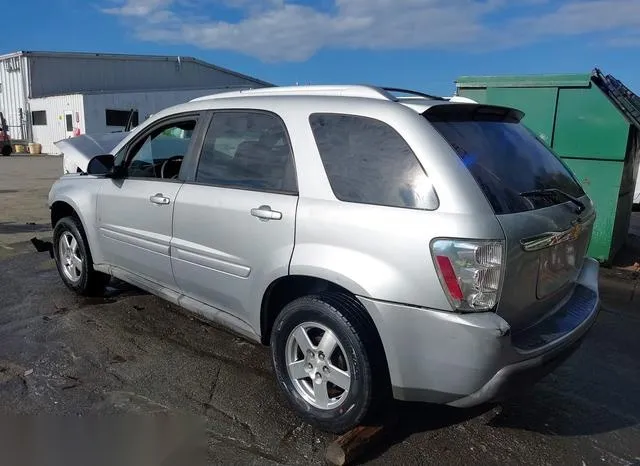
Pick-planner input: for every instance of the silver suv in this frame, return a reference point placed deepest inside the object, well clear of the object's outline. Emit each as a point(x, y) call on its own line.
point(383, 243)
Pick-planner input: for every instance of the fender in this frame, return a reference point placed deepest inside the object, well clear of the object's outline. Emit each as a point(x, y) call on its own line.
point(80, 193)
point(355, 271)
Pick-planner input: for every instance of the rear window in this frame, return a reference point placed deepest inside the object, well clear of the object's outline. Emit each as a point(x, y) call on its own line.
point(504, 157)
point(368, 162)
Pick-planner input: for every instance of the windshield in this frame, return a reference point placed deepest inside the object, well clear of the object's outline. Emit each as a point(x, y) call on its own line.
point(504, 157)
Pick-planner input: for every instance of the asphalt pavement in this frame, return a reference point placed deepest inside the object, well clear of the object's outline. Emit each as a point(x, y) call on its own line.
point(130, 353)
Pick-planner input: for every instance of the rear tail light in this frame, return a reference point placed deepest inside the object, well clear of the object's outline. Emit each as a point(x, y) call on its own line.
point(470, 272)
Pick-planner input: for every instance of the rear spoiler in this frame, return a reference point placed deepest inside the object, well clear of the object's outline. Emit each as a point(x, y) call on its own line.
point(473, 112)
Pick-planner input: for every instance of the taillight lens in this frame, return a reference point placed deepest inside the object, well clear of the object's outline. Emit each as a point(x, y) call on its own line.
point(470, 272)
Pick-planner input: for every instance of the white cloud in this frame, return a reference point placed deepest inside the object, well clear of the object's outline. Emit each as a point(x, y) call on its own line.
point(288, 30)
point(139, 8)
point(631, 40)
point(583, 17)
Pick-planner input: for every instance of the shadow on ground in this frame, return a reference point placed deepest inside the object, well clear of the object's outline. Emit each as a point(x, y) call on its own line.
point(10, 228)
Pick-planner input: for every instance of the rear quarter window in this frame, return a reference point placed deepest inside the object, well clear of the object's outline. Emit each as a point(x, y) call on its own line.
point(368, 162)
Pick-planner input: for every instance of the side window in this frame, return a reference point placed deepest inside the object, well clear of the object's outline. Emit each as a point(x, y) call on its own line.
point(247, 150)
point(159, 153)
point(368, 162)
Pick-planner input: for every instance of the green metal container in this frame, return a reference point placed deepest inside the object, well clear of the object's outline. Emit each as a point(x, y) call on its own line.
point(592, 121)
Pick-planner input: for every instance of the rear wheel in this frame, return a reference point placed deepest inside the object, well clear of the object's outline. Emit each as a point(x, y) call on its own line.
point(6, 151)
point(73, 259)
point(320, 351)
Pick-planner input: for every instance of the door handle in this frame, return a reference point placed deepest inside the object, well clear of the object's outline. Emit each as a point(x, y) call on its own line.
point(160, 199)
point(265, 213)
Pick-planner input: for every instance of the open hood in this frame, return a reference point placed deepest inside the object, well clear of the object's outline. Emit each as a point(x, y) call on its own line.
point(79, 150)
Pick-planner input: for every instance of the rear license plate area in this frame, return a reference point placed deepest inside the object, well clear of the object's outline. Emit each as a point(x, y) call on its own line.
point(558, 265)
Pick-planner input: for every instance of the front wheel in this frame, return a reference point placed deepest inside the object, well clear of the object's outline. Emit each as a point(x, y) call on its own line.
point(73, 259)
point(321, 360)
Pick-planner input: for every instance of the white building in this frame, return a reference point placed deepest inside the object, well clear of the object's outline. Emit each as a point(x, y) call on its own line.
point(48, 96)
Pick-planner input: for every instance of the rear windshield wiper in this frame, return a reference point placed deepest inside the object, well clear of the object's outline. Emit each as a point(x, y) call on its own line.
point(559, 192)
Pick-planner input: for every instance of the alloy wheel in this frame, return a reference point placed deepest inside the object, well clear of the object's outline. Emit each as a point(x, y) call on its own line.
point(70, 256)
point(317, 365)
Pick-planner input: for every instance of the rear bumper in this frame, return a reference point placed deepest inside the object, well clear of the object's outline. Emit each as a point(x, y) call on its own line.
point(518, 376)
point(468, 359)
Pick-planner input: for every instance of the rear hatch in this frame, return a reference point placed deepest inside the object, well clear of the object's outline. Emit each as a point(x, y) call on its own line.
point(546, 217)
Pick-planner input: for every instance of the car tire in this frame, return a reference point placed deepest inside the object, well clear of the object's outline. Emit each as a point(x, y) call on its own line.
point(356, 342)
point(6, 151)
point(73, 259)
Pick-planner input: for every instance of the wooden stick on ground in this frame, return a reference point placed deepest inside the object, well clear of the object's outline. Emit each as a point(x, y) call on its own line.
point(349, 446)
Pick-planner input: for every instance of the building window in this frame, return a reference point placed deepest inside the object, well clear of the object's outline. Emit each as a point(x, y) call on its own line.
point(121, 118)
point(39, 118)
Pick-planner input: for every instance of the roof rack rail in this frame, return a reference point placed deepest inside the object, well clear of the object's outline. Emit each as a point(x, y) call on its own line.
point(411, 92)
point(371, 92)
point(351, 90)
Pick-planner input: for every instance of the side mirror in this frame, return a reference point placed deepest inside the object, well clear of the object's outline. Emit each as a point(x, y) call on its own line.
point(100, 165)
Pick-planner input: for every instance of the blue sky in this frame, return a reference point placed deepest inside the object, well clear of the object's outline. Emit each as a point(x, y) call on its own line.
point(419, 44)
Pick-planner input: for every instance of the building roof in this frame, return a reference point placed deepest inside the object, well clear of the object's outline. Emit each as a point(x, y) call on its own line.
point(123, 56)
point(538, 80)
point(220, 89)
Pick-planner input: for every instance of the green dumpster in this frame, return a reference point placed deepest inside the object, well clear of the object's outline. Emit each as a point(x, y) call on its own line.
point(592, 121)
